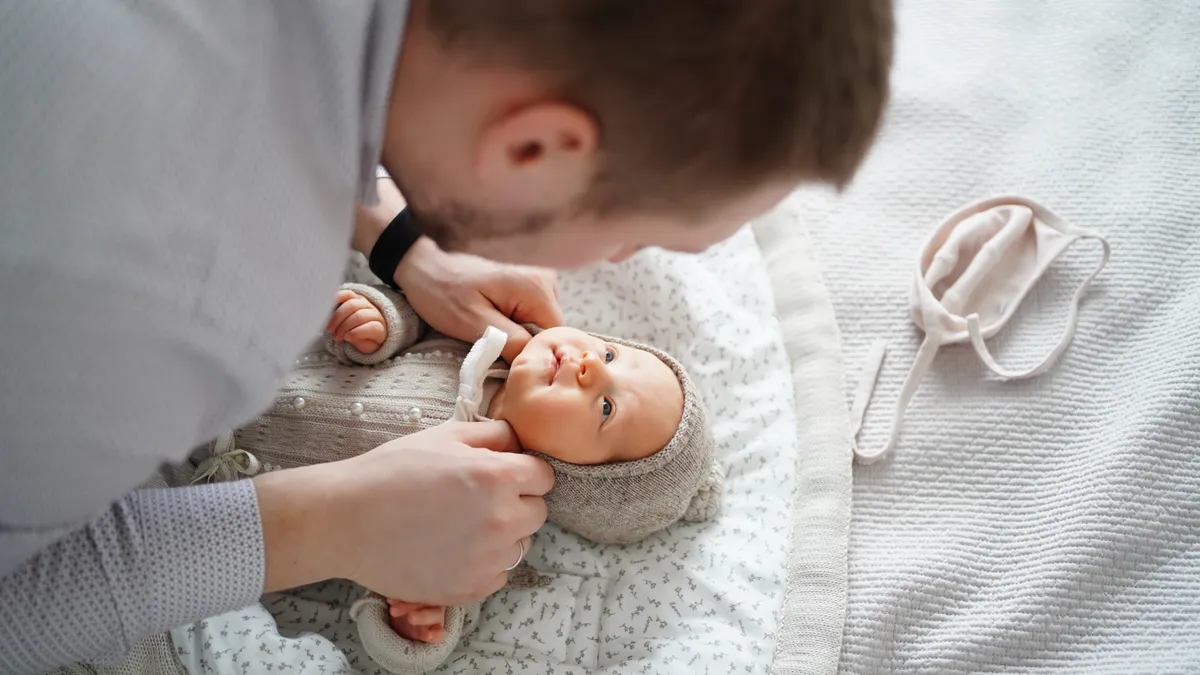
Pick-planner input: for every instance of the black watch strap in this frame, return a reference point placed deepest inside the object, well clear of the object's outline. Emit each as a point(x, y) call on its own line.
point(389, 249)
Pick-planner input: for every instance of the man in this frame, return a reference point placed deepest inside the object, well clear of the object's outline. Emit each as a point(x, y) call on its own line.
point(158, 156)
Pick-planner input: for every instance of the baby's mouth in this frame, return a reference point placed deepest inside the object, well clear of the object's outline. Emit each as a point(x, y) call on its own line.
point(554, 365)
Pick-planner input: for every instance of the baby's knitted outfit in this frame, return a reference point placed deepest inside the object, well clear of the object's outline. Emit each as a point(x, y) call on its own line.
point(331, 407)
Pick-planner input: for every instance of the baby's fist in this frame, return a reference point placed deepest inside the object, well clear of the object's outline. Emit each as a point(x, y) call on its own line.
point(357, 322)
point(419, 623)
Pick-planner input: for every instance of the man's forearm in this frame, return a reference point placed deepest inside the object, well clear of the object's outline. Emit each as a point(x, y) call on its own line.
point(154, 561)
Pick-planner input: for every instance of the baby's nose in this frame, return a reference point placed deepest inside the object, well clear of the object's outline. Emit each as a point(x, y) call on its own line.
point(591, 368)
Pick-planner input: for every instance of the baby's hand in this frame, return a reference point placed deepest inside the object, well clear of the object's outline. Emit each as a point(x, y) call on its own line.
point(420, 623)
point(358, 322)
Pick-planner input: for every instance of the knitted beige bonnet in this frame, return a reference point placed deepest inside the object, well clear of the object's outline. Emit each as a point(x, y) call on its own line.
point(624, 502)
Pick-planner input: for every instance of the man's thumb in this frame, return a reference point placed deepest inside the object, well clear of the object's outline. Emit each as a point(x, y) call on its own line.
point(545, 313)
point(518, 337)
point(494, 435)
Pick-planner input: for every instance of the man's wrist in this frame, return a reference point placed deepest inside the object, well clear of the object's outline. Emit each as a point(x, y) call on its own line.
point(299, 523)
point(418, 251)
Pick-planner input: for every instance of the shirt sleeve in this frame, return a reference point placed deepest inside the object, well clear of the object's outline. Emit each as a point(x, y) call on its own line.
point(155, 560)
point(101, 387)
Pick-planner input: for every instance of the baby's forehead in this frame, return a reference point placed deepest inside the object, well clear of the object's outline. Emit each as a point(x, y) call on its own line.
point(653, 370)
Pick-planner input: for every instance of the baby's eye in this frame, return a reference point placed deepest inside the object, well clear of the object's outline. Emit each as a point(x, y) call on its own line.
point(606, 409)
point(609, 355)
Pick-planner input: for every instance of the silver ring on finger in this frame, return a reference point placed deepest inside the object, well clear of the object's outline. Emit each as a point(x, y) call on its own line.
point(520, 557)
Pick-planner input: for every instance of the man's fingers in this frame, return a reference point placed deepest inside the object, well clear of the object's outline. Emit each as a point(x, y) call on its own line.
point(518, 337)
point(494, 586)
point(532, 515)
point(533, 476)
point(491, 435)
point(538, 304)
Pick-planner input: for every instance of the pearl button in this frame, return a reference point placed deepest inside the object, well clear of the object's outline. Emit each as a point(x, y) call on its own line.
point(356, 408)
point(414, 412)
point(298, 403)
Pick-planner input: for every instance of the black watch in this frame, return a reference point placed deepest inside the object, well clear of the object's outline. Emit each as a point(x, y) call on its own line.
point(392, 245)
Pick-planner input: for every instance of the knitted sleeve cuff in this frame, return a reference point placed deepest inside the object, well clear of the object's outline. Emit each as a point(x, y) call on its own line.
point(399, 655)
point(404, 327)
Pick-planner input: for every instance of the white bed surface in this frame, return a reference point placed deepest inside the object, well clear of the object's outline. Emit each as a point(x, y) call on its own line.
point(1051, 525)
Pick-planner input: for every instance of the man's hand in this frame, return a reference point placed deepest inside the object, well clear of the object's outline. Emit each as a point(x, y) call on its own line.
point(461, 295)
point(358, 322)
point(434, 517)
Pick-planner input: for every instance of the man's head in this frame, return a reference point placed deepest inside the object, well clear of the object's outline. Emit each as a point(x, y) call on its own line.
point(584, 400)
point(562, 133)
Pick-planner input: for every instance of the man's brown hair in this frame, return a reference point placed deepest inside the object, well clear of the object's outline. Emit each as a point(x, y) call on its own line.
point(697, 100)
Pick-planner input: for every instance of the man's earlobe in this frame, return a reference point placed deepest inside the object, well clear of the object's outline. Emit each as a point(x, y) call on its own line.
point(537, 157)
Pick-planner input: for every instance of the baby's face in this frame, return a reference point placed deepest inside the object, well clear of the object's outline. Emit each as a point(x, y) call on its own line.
point(582, 400)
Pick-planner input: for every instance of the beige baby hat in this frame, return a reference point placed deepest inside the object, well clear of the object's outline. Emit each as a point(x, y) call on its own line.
point(625, 502)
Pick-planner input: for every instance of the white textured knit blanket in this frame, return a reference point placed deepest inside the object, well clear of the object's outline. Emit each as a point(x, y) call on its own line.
point(1050, 525)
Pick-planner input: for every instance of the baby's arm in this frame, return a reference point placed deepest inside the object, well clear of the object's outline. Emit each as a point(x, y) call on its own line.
point(371, 324)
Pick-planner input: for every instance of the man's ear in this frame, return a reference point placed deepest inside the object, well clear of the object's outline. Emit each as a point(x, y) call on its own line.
point(537, 158)
point(707, 501)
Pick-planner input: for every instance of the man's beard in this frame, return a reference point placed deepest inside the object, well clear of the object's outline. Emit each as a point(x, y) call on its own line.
point(453, 224)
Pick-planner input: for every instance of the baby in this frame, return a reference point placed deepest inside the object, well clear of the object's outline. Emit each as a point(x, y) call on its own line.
point(620, 424)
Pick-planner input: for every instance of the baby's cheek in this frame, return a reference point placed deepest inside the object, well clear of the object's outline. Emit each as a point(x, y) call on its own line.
point(540, 434)
point(549, 432)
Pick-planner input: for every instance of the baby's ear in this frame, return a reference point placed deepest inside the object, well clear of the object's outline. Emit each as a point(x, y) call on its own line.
point(707, 502)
